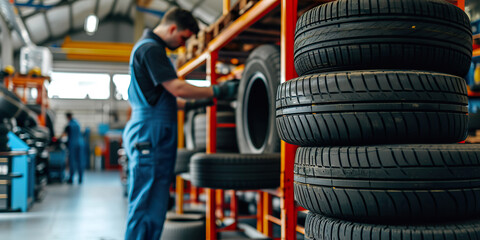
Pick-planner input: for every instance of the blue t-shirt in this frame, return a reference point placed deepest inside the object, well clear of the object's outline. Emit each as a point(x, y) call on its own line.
point(152, 67)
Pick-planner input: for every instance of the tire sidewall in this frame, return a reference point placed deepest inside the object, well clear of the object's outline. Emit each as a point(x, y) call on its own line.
point(257, 66)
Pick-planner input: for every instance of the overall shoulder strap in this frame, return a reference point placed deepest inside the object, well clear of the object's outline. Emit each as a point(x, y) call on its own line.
point(137, 45)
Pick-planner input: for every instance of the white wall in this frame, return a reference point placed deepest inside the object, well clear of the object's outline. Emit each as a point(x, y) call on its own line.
point(90, 112)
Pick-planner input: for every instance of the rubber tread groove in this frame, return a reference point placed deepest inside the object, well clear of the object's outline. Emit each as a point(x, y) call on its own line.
point(445, 27)
point(234, 171)
point(372, 107)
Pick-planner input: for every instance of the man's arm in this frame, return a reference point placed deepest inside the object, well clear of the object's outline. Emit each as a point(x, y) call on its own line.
point(224, 90)
point(180, 88)
point(65, 132)
point(188, 105)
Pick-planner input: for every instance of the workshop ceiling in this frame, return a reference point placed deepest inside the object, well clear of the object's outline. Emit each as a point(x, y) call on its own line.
point(49, 20)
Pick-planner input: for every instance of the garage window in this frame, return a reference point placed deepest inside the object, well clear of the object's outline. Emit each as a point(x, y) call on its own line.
point(121, 82)
point(79, 85)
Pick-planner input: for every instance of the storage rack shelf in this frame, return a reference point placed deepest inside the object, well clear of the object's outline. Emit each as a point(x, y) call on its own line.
point(26, 82)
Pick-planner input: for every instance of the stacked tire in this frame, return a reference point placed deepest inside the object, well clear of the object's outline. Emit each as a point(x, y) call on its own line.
point(257, 166)
point(184, 227)
point(377, 110)
point(4, 129)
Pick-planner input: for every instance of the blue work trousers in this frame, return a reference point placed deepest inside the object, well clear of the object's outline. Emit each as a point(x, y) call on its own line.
point(151, 171)
point(75, 161)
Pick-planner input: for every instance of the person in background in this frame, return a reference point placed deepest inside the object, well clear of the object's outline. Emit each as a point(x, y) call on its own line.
point(150, 136)
point(74, 145)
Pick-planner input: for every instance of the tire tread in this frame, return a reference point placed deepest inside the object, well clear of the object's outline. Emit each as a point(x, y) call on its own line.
point(440, 182)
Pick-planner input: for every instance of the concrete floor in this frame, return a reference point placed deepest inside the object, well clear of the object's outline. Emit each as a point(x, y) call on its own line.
point(95, 210)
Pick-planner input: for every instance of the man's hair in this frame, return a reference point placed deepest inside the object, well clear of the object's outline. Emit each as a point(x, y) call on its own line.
point(182, 18)
point(69, 115)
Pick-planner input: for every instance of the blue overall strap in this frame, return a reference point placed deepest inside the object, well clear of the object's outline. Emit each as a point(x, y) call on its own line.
point(133, 82)
point(164, 110)
point(142, 99)
point(137, 45)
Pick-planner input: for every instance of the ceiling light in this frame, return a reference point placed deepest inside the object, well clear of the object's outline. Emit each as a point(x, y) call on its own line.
point(91, 24)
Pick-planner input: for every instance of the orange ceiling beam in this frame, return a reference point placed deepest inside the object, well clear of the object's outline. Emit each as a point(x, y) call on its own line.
point(97, 51)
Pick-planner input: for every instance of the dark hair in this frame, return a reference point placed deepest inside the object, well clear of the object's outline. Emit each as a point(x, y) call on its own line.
point(69, 115)
point(182, 18)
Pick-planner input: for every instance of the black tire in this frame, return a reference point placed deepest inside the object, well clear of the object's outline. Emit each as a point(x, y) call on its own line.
point(255, 113)
point(183, 160)
point(25, 117)
point(372, 107)
point(12, 107)
point(4, 143)
point(49, 117)
point(319, 227)
point(4, 129)
point(429, 35)
point(189, 130)
point(189, 126)
point(192, 214)
point(38, 133)
point(390, 183)
point(4, 139)
point(226, 136)
point(235, 171)
point(183, 227)
point(473, 121)
point(9, 103)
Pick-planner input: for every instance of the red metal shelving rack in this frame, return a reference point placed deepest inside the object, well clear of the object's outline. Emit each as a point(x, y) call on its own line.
point(210, 57)
point(25, 82)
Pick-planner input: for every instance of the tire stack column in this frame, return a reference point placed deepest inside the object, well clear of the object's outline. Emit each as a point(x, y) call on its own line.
point(4, 129)
point(377, 111)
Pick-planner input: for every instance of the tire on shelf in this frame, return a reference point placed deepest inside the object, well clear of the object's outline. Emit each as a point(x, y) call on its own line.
point(26, 118)
point(473, 121)
point(49, 117)
point(189, 130)
point(255, 112)
point(390, 183)
point(377, 34)
point(184, 227)
point(9, 103)
point(372, 107)
point(320, 227)
point(4, 129)
point(194, 214)
point(226, 137)
point(235, 171)
point(12, 107)
point(182, 160)
point(189, 126)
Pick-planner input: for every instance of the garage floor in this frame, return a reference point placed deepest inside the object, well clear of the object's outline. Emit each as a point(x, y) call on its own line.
point(95, 210)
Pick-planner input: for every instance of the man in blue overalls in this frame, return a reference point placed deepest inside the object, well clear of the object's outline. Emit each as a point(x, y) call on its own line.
point(74, 143)
point(150, 137)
